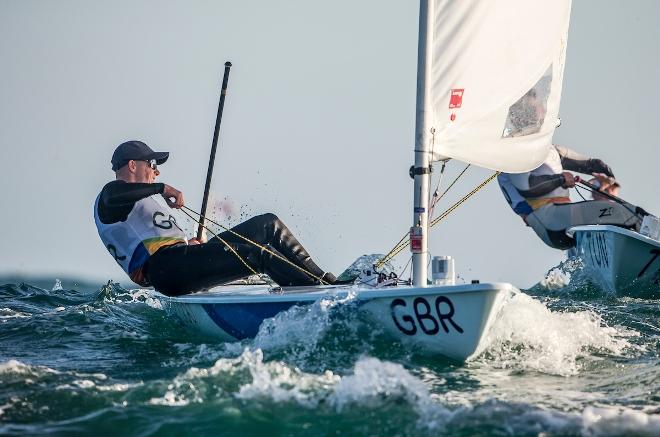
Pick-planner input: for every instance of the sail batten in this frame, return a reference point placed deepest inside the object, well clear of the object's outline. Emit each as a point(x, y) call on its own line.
point(496, 79)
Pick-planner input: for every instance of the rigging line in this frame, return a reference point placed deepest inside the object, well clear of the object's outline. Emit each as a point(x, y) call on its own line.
point(404, 240)
point(231, 249)
point(454, 182)
point(466, 197)
point(579, 191)
point(397, 249)
point(434, 199)
point(262, 247)
point(402, 244)
point(405, 267)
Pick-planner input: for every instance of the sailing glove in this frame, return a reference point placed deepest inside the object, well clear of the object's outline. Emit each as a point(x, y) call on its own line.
point(598, 166)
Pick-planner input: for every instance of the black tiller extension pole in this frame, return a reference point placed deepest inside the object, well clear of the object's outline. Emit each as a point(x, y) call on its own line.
point(592, 187)
point(616, 199)
point(214, 146)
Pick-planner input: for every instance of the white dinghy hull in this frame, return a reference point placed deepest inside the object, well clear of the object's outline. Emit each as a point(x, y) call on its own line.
point(617, 259)
point(437, 320)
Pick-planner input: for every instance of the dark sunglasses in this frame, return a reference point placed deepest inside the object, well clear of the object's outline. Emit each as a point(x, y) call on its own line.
point(152, 163)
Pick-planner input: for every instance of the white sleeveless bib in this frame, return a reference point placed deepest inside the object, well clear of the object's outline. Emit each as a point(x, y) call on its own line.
point(148, 227)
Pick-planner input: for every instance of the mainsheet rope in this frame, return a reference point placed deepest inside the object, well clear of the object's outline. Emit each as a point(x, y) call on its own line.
point(231, 249)
point(262, 247)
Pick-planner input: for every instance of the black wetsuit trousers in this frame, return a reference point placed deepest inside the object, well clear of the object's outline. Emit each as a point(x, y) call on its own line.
point(182, 269)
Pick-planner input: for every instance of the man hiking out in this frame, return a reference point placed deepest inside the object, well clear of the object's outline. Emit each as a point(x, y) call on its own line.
point(144, 238)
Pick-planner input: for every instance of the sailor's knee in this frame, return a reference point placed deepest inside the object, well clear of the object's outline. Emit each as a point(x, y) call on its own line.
point(268, 217)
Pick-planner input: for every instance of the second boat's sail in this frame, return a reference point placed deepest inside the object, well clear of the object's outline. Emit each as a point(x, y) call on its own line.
point(496, 79)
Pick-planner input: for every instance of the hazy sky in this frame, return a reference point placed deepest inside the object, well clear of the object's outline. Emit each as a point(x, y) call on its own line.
point(318, 126)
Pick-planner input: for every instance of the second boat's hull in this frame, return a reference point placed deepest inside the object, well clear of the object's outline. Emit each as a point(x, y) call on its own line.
point(619, 260)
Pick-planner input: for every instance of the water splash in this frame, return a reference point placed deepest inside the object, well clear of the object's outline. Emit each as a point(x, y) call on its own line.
point(300, 328)
point(57, 286)
point(560, 276)
point(375, 383)
point(8, 313)
point(606, 421)
point(371, 385)
point(113, 293)
point(246, 377)
point(529, 336)
point(365, 262)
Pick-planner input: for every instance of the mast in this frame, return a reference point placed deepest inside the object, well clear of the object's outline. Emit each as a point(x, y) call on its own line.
point(421, 172)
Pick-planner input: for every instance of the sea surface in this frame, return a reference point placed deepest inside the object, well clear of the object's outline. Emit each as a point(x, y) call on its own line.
point(563, 358)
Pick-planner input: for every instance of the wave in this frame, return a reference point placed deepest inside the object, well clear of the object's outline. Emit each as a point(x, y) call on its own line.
point(241, 389)
point(572, 278)
point(235, 392)
point(107, 356)
point(527, 335)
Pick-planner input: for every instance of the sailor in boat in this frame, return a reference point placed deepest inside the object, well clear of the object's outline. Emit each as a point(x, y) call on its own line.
point(546, 191)
point(144, 238)
point(516, 201)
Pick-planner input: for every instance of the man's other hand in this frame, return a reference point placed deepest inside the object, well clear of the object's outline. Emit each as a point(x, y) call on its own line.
point(604, 180)
point(201, 240)
point(173, 197)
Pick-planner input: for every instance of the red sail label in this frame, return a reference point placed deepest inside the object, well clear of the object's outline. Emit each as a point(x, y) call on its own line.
point(456, 98)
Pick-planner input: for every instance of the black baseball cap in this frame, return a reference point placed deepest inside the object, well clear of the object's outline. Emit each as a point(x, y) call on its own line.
point(138, 151)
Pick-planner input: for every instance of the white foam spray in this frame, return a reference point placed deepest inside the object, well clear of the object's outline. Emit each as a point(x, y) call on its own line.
point(529, 336)
point(561, 276)
point(8, 313)
point(302, 326)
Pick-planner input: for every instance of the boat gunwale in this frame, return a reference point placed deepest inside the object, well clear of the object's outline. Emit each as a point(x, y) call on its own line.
point(615, 229)
point(295, 294)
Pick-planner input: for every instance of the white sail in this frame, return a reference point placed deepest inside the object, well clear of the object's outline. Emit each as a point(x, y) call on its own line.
point(495, 80)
